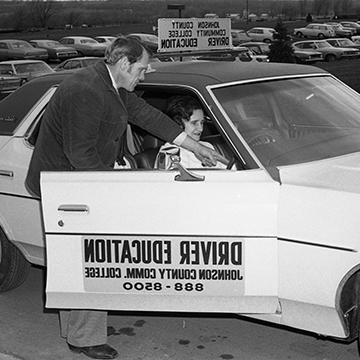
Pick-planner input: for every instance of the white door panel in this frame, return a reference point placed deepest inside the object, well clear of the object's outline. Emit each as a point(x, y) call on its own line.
point(139, 240)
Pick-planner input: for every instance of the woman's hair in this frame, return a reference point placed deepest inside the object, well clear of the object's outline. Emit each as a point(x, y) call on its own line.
point(181, 108)
point(128, 46)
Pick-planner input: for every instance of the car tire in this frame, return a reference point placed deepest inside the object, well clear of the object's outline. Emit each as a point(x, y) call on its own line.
point(299, 34)
point(14, 268)
point(321, 36)
point(268, 41)
point(330, 58)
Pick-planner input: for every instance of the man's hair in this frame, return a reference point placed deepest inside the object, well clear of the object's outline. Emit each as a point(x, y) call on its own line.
point(181, 108)
point(125, 46)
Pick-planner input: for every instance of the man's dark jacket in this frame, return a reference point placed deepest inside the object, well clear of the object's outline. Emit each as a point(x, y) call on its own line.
point(83, 125)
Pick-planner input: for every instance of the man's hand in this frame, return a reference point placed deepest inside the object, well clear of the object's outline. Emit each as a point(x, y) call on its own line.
point(207, 156)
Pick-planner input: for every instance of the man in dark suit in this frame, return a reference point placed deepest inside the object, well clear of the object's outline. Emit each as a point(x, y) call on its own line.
point(82, 129)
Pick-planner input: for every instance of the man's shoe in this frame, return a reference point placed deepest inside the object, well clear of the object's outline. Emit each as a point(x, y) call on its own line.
point(96, 352)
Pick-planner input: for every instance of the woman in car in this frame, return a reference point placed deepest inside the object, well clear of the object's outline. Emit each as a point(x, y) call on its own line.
point(187, 112)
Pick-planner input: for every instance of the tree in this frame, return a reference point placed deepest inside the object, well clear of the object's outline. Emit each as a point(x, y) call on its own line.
point(41, 11)
point(281, 49)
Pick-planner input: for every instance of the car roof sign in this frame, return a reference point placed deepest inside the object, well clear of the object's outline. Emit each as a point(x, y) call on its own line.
point(189, 34)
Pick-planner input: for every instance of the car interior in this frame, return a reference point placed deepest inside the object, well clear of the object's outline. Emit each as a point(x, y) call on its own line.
point(141, 148)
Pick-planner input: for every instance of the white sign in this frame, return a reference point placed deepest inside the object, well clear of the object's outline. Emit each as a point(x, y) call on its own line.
point(194, 34)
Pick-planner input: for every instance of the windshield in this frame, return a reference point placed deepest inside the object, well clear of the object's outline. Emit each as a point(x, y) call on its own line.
point(37, 67)
point(323, 44)
point(293, 121)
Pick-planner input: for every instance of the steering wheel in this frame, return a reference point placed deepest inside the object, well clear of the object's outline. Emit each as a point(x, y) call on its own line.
point(262, 138)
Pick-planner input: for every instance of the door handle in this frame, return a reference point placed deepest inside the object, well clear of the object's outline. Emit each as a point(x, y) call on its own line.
point(7, 173)
point(74, 208)
point(186, 175)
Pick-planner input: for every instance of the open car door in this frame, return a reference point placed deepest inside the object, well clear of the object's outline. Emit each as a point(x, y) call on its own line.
point(146, 240)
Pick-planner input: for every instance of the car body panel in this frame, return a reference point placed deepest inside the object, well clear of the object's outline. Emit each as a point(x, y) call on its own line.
point(326, 49)
point(315, 30)
point(261, 34)
point(11, 49)
point(343, 43)
point(26, 69)
point(77, 63)
point(239, 36)
point(307, 56)
point(84, 45)
point(55, 49)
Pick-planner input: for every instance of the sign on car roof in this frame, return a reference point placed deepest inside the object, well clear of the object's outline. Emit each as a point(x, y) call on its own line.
point(193, 34)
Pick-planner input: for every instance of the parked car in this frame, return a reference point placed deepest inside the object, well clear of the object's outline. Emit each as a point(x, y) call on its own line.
point(356, 39)
point(241, 53)
point(351, 25)
point(341, 31)
point(258, 47)
point(263, 34)
point(274, 237)
point(239, 36)
point(150, 40)
point(105, 39)
point(329, 52)
point(8, 84)
point(56, 50)
point(343, 42)
point(85, 46)
point(26, 69)
point(77, 63)
point(307, 56)
point(319, 31)
point(12, 49)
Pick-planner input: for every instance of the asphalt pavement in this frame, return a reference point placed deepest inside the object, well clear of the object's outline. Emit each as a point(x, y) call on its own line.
point(28, 331)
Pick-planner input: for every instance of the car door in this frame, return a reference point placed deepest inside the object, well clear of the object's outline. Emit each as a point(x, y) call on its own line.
point(4, 51)
point(161, 240)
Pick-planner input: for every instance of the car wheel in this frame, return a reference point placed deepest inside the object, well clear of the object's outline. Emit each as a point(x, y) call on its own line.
point(267, 41)
point(299, 34)
point(321, 36)
point(330, 58)
point(14, 268)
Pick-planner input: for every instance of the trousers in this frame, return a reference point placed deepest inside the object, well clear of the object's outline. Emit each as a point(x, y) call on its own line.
point(83, 327)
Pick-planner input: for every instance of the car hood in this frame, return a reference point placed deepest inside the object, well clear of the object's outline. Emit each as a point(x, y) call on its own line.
point(63, 48)
point(340, 174)
point(319, 203)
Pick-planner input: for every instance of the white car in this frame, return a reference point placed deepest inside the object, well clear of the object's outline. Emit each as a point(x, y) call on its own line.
point(105, 39)
point(263, 34)
point(84, 45)
point(273, 237)
point(319, 31)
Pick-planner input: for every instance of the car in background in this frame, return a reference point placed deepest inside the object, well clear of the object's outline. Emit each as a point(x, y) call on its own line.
point(150, 40)
point(85, 46)
point(9, 83)
point(356, 39)
point(263, 34)
point(291, 134)
point(26, 69)
point(241, 53)
point(303, 56)
point(12, 49)
point(340, 31)
point(352, 25)
point(343, 42)
point(313, 30)
point(105, 39)
point(258, 47)
point(329, 52)
point(56, 50)
point(239, 36)
point(77, 63)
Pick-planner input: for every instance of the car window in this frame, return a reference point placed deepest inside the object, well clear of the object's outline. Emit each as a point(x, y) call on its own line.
point(31, 67)
point(294, 120)
point(20, 45)
point(6, 69)
point(3, 46)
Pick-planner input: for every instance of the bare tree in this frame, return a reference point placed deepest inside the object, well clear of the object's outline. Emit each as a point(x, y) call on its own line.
point(303, 7)
point(41, 11)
